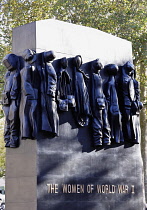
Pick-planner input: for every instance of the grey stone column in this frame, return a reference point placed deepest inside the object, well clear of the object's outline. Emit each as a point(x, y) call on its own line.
point(70, 158)
point(21, 163)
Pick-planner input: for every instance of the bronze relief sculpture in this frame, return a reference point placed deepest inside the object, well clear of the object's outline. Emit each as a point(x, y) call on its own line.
point(82, 109)
point(33, 89)
point(65, 95)
point(128, 95)
point(11, 99)
point(136, 108)
point(100, 124)
point(114, 115)
point(50, 82)
point(29, 96)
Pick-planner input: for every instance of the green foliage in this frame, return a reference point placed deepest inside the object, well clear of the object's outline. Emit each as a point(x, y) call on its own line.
point(124, 18)
point(4, 51)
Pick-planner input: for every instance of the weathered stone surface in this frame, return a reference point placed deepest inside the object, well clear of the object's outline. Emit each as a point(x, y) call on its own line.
point(21, 178)
point(22, 206)
point(117, 166)
point(71, 158)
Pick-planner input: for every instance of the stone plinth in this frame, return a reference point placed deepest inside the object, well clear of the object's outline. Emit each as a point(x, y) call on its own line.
point(70, 158)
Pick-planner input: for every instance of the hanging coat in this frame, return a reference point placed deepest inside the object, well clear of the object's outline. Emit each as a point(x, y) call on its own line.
point(100, 124)
point(49, 115)
point(65, 95)
point(114, 114)
point(82, 108)
point(51, 98)
point(11, 99)
point(28, 104)
point(126, 95)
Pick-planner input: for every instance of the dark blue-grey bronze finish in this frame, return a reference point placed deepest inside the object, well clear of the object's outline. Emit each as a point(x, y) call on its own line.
point(11, 99)
point(113, 116)
point(82, 109)
point(100, 125)
point(128, 96)
point(65, 95)
point(29, 96)
point(50, 119)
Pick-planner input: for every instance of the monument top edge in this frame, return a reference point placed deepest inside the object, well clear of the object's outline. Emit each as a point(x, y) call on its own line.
point(56, 22)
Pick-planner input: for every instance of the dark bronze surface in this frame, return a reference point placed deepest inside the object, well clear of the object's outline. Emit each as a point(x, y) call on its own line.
point(11, 99)
point(113, 115)
point(100, 125)
point(128, 97)
point(82, 109)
